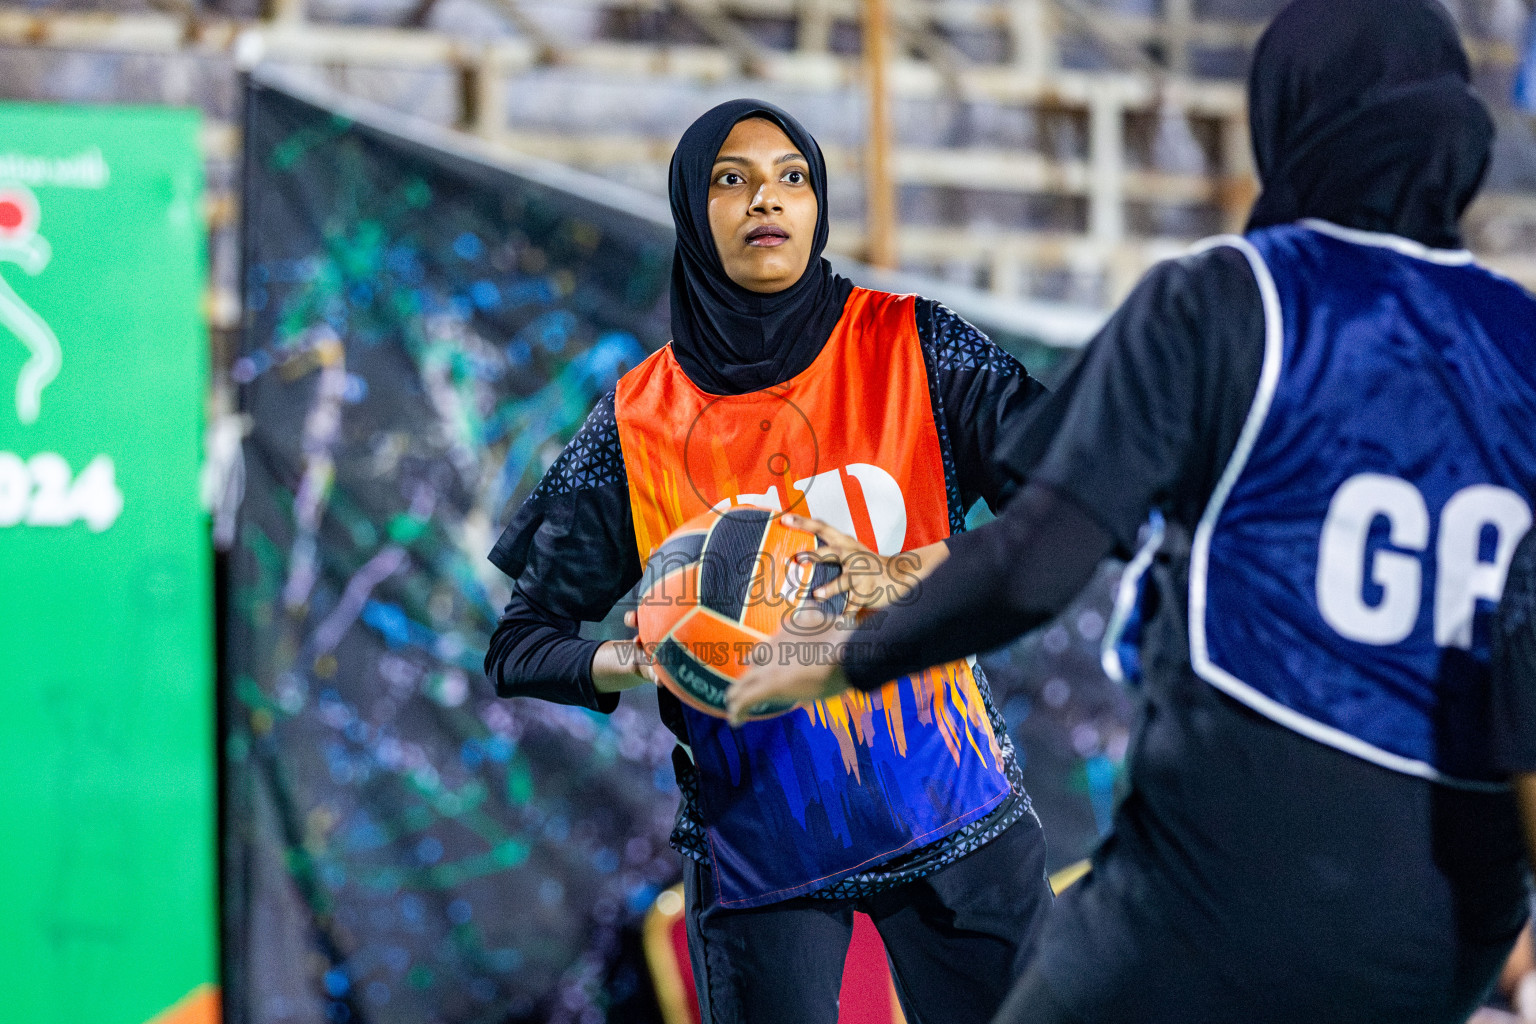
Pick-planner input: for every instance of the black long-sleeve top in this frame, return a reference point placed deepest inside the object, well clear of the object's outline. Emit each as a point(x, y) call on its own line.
point(1147, 419)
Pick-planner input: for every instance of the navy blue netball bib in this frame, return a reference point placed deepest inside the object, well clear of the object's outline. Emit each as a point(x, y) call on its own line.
point(1344, 571)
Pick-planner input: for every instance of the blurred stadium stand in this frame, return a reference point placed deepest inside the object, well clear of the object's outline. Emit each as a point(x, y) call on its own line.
point(1050, 149)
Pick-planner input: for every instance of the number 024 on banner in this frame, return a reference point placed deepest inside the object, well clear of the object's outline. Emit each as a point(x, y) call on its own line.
point(44, 491)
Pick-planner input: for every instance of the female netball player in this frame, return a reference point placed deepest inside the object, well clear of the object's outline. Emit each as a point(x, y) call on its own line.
point(785, 386)
point(1336, 416)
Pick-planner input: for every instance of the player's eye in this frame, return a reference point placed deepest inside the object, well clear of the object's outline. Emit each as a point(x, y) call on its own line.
point(730, 179)
point(794, 177)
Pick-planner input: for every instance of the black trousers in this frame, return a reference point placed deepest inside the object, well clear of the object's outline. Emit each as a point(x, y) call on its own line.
point(956, 940)
point(1256, 876)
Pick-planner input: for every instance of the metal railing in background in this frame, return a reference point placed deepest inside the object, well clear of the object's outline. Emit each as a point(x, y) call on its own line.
point(1110, 199)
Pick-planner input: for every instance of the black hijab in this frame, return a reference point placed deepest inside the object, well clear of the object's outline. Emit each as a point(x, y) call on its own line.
point(730, 340)
point(1362, 114)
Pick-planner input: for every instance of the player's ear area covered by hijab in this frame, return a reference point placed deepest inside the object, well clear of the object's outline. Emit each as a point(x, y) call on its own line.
point(730, 340)
point(1362, 114)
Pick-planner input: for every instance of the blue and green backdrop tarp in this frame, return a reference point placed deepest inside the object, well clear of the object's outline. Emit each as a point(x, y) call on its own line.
point(423, 333)
point(107, 768)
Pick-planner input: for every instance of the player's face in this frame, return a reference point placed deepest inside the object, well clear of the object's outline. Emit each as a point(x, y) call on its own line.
point(762, 208)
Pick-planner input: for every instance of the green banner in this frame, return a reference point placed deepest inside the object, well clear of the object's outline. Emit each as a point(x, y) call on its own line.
point(107, 783)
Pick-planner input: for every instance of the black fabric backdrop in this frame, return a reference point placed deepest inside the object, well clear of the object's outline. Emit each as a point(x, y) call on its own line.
point(423, 334)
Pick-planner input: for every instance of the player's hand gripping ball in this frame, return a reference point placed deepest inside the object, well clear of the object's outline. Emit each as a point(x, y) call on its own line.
point(719, 587)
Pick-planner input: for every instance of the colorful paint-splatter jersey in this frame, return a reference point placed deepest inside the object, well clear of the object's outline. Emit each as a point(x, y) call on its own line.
point(791, 804)
point(572, 553)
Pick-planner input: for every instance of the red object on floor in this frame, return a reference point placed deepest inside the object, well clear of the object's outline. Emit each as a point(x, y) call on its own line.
point(868, 996)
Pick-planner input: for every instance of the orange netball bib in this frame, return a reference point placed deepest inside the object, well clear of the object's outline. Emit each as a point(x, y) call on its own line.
point(794, 803)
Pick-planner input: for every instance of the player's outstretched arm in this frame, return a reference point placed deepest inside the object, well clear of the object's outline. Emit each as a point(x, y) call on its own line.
point(1169, 378)
point(997, 583)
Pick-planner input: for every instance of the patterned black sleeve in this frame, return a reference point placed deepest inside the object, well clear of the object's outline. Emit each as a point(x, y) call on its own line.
point(570, 551)
point(1514, 665)
point(980, 395)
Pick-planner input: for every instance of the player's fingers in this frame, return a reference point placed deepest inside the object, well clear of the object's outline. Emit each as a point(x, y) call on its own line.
point(631, 620)
point(841, 584)
point(735, 705)
point(829, 535)
point(645, 664)
point(752, 689)
point(861, 577)
point(747, 692)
